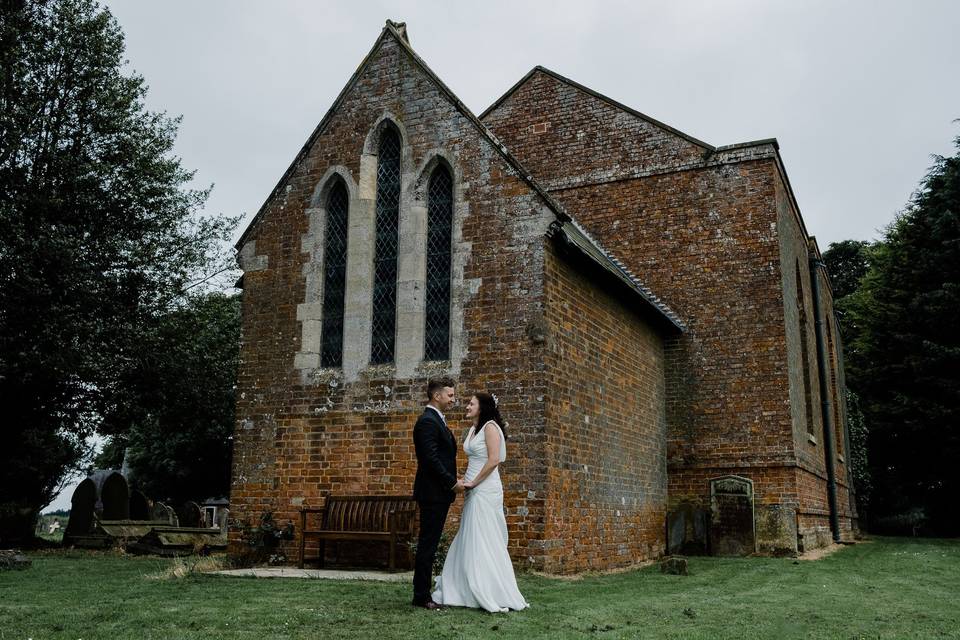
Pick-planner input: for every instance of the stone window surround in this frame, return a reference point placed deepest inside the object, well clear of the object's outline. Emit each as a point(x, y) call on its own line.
point(411, 268)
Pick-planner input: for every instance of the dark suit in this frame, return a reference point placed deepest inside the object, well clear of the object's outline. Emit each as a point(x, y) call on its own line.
point(433, 491)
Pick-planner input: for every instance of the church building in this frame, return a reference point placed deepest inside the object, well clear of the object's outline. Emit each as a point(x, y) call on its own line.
point(649, 309)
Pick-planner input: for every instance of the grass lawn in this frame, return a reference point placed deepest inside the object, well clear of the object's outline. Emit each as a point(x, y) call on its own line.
point(886, 588)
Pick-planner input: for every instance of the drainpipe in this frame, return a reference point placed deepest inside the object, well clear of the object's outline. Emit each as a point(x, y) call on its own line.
point(822, 359)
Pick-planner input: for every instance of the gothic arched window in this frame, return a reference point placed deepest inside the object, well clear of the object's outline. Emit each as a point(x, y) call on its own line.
point(439, 228)
point(383, 339)
point(334, 276)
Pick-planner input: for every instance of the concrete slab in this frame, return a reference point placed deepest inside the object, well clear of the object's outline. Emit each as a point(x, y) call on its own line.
point(318, 574)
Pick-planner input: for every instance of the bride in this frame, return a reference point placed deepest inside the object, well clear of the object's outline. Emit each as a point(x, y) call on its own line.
point(477, 572)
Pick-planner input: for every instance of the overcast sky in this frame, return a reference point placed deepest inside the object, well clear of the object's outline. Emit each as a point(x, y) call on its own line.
point(859, 94)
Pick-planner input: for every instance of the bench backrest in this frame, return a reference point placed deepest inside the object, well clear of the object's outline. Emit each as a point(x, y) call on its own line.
point(365, 513)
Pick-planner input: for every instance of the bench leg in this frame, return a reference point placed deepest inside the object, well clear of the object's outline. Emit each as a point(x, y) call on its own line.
point(322, 545)
point(393, 553)
point(303, 537)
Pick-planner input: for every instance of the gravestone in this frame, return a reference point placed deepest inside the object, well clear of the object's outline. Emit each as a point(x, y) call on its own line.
point(674, 566)
point(113, 495)
point(164, 513)
point(82, 505)
point(139, 506)
point(732, 529)
point(223, 520)
point(190, 514)
point(13, 559)
point(687, 526)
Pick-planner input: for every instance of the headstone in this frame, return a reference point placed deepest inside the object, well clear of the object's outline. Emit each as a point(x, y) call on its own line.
point(674, 566)
point(12, 559)
point(223, 520)
point(113, 495)
point(139, 506)
point(82, 505)
point(190, 514)
point(687, 526)
point(732, 529)
point(164, 513)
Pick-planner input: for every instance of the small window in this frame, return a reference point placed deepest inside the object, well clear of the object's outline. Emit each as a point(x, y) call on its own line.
point(439, 229)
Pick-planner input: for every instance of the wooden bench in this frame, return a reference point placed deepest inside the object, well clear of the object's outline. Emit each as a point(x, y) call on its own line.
point(387, 519)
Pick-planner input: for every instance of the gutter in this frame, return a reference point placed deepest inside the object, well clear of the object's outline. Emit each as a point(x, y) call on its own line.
point(825, 409)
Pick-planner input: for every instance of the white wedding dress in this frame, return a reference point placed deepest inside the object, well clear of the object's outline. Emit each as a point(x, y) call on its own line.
point(477, 572)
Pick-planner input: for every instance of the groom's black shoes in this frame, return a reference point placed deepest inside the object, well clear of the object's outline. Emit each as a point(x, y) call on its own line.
point(429, 604)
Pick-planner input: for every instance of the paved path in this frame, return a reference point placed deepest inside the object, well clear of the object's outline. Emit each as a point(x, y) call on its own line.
point(319, 574)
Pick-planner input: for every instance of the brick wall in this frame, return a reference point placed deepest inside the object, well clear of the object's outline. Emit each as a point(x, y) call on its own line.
point(714, 233)
point(304, 431)
point(606, 427)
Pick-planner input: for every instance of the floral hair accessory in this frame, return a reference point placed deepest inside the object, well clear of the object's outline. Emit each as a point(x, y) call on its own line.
point(496, 401)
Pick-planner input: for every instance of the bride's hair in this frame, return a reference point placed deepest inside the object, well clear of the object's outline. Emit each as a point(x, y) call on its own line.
point(489, 411)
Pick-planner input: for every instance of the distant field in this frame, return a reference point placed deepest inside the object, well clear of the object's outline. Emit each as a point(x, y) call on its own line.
point(885, 588)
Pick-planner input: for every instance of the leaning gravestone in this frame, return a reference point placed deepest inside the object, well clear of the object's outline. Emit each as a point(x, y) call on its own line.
point(732, 529)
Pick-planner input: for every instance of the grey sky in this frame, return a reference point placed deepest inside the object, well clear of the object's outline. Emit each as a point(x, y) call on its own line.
point(859, 94)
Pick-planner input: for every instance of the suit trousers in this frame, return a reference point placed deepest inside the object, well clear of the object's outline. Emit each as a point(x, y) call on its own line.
point(433, 515)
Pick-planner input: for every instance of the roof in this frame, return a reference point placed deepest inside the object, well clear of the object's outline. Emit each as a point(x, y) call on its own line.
point(598, 95)
point(589, 247)
point(574, 237)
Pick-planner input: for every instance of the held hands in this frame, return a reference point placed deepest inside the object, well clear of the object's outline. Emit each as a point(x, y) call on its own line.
point(459, 487)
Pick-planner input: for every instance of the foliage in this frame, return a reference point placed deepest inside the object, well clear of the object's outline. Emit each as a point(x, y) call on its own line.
point(847, 263)
point(263, 540)
point(100, 234)
point(886, 588)
point(443, 547)
point(858, 459)
point(176, 418)
point(905, 358)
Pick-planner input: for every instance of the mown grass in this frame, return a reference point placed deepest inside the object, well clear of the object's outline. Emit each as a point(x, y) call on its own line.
point(886, 588)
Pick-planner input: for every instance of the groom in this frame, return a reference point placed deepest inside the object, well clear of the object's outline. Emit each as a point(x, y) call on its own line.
point(436, 484)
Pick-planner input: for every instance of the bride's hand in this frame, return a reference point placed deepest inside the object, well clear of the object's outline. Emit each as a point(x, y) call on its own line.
point(468, 484)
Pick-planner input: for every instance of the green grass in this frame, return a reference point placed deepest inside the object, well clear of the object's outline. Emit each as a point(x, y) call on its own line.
point(887, 588)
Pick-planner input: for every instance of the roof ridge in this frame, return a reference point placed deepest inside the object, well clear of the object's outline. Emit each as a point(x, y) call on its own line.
point(600, 96)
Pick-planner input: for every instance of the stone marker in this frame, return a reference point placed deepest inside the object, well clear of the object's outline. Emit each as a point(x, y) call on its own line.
point(12, 559)
point(674, 566)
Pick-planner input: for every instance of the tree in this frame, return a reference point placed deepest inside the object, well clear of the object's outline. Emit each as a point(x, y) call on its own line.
point(177, 421)
point(847, 262)
point(905, 359)
point(98, 235)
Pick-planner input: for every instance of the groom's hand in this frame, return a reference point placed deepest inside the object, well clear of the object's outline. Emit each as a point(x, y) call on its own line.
point(458, 488)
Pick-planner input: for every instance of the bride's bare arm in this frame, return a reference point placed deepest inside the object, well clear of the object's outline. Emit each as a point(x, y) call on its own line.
point(492, 438)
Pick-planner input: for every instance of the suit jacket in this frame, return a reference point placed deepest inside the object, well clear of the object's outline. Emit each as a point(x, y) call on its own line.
point(436, 459)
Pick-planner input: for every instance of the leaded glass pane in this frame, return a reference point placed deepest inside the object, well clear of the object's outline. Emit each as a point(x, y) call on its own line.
point(439, 228)
point(334, 277)
point(385, 260)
